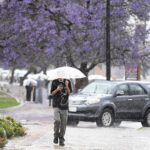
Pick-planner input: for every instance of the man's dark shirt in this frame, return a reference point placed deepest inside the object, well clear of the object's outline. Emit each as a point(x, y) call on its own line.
point(57, 98)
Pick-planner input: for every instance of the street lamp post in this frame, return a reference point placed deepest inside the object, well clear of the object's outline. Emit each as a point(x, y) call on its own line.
point(108, 57)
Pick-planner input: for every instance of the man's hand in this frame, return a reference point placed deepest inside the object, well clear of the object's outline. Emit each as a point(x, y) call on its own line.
point(59, 87)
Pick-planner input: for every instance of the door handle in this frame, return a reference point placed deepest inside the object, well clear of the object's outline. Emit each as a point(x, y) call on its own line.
point(130, 99)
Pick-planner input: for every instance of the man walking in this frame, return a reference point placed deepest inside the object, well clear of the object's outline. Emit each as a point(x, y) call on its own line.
point(60, 90)
point(29, 89)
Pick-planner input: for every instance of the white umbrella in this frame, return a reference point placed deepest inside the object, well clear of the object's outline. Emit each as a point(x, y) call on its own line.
point(40, 76)
point(29, 81)
point(65, 72)
point(52, 75)
point(31, 76)
point(96, 77)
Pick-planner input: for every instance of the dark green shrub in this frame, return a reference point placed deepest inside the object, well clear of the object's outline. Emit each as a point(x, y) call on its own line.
point(3, 137)
point(8, 126)
point(19, 130)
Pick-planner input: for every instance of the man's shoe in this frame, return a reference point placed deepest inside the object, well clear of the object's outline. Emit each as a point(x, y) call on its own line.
point(55, 140)
point(61, 143)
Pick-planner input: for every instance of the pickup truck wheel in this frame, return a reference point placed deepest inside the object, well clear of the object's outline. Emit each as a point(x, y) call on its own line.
point(146, 122)
point(106, 119)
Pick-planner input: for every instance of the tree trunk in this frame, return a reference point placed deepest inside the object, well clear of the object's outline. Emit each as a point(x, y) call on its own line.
point(44, 70)
point(80, 83)
point(32, 69)
point(24, 77)
point(12, 75)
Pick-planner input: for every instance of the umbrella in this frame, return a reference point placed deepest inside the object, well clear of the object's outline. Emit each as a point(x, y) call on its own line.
point(65, 72)
point(29, 81)
point(40, 76)
point(31, 76)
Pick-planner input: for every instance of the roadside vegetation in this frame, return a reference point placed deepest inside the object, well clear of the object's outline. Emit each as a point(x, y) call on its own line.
point(7, 101)
point(10, 128)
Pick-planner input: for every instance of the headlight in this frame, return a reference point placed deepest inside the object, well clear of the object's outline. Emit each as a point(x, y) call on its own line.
point(92, 101)
point(83, 100)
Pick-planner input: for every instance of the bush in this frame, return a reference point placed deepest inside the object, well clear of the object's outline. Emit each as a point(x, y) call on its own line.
point(19, 130)
point(7, 125)
point(12, 127)
point(3, 137)
point(3, 133)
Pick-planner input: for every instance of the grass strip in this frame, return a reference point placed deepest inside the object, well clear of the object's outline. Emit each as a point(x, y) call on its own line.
point(6, 102)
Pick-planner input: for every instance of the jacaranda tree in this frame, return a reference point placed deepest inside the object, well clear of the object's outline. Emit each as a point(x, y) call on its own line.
point(62, 32)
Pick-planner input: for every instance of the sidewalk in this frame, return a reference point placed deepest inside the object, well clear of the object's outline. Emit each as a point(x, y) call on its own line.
point(37, 118)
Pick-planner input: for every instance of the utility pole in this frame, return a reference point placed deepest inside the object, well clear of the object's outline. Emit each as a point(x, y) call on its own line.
point(108, 57)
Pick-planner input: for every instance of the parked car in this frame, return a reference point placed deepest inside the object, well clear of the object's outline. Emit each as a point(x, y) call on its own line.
point(146, 83)
point(107, 102)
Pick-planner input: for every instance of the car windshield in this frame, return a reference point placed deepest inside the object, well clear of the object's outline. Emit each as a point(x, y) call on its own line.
point(99, 88)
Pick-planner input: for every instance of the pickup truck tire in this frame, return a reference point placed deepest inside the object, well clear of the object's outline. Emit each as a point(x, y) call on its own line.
point(146, 122)
point(106, 118)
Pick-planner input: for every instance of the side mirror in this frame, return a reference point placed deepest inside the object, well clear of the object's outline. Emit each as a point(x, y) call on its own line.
point(119, 93)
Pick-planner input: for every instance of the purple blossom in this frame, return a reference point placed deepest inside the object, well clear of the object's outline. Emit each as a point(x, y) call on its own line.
point(36, 30)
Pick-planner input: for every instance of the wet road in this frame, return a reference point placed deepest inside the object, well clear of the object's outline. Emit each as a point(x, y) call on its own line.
point(86, 136)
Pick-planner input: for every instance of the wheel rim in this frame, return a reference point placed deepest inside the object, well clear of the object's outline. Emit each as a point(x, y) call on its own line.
point(148, 119)
point(106, 119)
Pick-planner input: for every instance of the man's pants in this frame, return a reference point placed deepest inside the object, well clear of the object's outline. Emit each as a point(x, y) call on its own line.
point(60, 123)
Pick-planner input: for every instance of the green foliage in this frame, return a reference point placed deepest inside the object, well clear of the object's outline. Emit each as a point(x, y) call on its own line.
point(3, 137)
point(19, 130)
point(9, 127)
point(6, 102)
point(3, 132)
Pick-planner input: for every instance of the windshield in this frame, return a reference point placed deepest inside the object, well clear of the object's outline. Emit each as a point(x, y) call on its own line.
point(99, 88)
